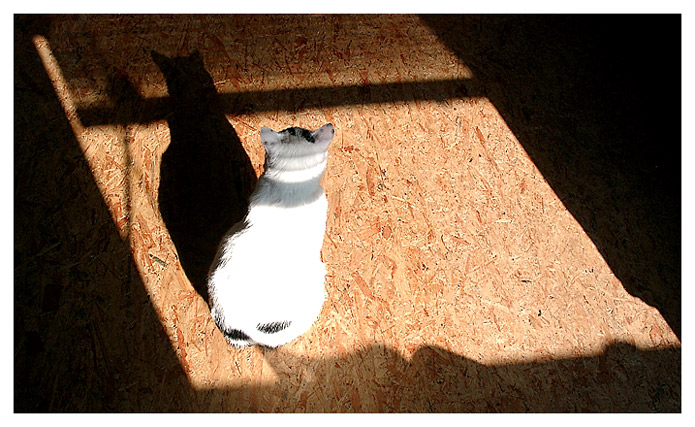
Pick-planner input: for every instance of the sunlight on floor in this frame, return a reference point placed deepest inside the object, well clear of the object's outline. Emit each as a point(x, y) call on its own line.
point(442, 233)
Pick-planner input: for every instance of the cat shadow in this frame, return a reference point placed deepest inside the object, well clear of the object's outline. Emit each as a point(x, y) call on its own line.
point(206, 175)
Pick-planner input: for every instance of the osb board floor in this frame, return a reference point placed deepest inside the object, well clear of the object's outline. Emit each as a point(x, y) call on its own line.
point(457, 278)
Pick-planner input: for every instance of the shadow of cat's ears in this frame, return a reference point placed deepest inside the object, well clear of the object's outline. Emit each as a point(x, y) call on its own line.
point(160, 59)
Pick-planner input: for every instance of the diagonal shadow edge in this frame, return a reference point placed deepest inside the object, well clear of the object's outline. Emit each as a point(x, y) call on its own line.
point(147, 110)
point(609, 149)
point(63, 364)
point(678, 351)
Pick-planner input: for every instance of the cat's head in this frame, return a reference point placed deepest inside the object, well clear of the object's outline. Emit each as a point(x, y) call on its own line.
point(296, 143)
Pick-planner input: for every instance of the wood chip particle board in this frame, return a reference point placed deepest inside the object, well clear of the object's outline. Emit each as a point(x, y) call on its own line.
point(456, 279)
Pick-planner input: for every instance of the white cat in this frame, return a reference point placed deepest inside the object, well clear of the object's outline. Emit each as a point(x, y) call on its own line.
point(266, 284)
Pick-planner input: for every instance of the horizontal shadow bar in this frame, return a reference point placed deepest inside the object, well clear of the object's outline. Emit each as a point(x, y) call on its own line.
point(291, 100)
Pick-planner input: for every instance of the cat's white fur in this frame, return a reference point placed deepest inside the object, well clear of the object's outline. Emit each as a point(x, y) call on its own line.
point(268, 267)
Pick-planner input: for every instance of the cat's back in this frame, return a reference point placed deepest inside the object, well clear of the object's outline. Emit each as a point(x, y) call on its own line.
point(271, 239)
point(275, 237)
point(273, 273)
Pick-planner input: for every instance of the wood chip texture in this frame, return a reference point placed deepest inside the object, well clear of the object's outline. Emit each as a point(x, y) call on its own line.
point(475, 262)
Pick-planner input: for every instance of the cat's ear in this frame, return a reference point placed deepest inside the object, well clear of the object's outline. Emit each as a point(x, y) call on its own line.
point(269, 137)
point(159, 59)
point(196, 56)
point(324, 135)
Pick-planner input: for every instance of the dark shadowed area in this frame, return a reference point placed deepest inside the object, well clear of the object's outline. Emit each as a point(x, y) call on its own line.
point(595, 102)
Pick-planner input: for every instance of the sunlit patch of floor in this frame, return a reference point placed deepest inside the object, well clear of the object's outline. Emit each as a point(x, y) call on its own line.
point(444, 242)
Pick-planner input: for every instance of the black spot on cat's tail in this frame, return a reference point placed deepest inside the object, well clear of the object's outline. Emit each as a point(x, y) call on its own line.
point(273, 327)
point(236, 334)
point(237, 338)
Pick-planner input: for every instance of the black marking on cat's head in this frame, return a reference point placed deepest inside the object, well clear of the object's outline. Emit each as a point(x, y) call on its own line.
point(273, 327)
point(297, 131)
point(297, 138)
